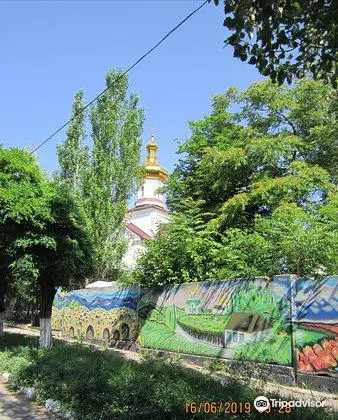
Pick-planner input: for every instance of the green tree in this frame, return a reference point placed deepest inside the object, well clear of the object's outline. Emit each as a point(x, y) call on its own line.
point(280, 146)
point(183, 251)
point(285, 39)
point(22, 208)
point(72, 153)
point(291, 240)
point(44, 237)
point(110, 175)
point(264, 178)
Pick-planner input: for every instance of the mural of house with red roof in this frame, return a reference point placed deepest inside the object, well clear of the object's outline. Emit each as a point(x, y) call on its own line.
point(149, 211)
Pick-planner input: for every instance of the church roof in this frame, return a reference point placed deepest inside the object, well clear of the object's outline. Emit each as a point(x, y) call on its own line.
point(148, 206)
point(151, 168)
point(137, 231)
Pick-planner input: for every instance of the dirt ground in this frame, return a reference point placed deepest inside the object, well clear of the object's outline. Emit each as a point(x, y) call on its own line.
point(15, 406)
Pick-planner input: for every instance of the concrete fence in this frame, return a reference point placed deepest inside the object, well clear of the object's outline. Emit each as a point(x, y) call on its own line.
point(283, 321)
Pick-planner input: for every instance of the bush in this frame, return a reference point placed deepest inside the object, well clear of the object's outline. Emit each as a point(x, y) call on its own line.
point(95, 384)
point(216, 366)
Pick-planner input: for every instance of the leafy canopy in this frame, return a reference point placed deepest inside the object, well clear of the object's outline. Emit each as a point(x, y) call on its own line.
point(44, 240)
point(261, 182)
point(106, 174)
point(285, 39)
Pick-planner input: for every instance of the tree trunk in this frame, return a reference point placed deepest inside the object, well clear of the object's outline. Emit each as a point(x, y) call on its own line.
point(45, 333)
point(47, 293)
point(28, 313)
point(2, 300)
point(1, 325)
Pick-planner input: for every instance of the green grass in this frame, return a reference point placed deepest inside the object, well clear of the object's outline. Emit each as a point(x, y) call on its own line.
point(304, 337)
point(97, 385)
point(160, 337)
point(207, 323)
point(276, 349)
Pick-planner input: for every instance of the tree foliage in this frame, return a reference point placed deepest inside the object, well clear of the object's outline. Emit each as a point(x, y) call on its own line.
point(72, 153)
point(285, 39)
point(106, 174)
point(183, 251)
point(264, 183)
point(44, 241)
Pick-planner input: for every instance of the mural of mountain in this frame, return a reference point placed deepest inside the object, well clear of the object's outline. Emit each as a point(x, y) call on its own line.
point(317, 301)
point(107, 301)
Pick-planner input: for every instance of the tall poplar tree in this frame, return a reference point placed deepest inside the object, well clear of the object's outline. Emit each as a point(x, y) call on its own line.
point(106, 174)
point(73, 154)
point(117, 123)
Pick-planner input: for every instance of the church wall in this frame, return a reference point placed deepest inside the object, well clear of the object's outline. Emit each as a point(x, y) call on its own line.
point(149, 188)
point(142, 219)
point(134, 251)
point(148, 219)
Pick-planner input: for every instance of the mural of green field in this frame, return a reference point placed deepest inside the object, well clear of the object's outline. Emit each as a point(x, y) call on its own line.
point(267, 351)
point(205, 322)
point(151, 332)
point(230, 319)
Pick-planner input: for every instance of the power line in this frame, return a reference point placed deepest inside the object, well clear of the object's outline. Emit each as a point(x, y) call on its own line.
point(120, 77)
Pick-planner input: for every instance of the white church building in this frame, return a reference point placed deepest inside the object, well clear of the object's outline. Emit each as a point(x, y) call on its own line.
point(149, 211)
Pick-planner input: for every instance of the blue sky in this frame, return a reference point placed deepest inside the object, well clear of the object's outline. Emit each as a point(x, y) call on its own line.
point(51, 49)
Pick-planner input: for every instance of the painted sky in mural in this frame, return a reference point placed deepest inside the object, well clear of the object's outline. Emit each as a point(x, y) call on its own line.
point(111, 297)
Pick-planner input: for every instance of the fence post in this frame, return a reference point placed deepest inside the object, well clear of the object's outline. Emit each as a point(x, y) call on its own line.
point(293, 323)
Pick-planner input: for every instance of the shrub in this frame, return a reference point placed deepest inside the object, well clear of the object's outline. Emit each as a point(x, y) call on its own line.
point(93, 384)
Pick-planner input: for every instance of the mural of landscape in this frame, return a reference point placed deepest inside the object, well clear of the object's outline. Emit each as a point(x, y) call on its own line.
point(317, 325)
point(98, 314)
point(233, 319)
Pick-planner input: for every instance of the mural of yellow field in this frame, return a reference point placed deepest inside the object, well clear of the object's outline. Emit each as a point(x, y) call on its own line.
point(94, 315)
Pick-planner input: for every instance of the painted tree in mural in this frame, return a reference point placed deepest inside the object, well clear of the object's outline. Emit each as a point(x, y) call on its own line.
point(193, 300)
point(44, 238)
point(172, 317)
point(263, 184)
point(105, 175)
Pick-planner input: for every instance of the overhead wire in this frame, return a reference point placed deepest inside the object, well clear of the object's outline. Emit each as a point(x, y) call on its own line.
point(119, 77)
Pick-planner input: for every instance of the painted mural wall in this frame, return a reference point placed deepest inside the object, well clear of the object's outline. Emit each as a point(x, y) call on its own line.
point(317, 325)
point(108, 313)
point(283, 321)
point(232, 319)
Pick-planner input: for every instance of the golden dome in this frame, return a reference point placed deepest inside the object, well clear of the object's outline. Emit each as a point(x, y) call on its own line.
point(151, 168)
